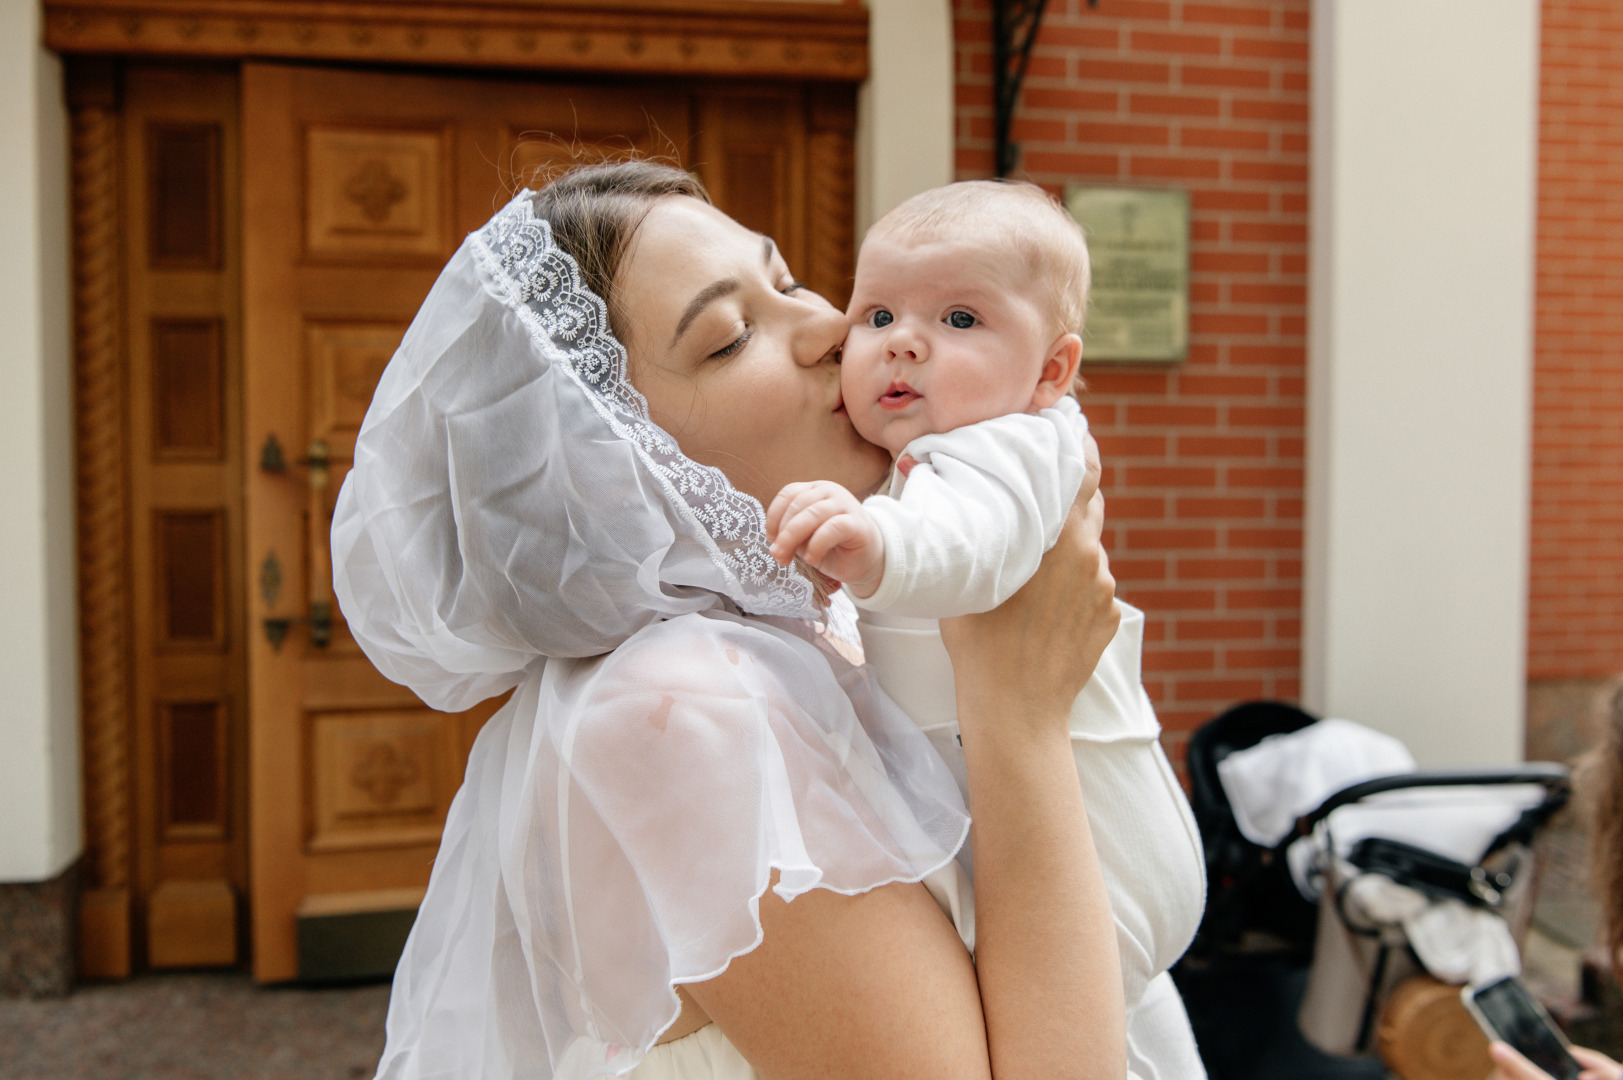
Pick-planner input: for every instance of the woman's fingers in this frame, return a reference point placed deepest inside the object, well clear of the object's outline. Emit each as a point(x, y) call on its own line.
point(1597, 1066)
point(1509, 1065)
point(1090, 478)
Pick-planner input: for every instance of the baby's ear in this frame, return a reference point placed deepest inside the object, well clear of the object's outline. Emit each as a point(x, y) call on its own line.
point(1058, 372)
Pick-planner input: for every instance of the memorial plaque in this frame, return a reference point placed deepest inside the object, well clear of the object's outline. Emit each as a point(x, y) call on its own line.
point(1139, 241)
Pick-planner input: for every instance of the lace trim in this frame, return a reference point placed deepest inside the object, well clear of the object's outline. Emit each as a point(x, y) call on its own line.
point(541, 284)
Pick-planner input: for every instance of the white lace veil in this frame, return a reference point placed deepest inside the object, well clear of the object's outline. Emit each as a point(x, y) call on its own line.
point(514, 519)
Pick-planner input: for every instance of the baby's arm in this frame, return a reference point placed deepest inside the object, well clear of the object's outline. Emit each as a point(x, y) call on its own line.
point(825, 525)
point(977, 512)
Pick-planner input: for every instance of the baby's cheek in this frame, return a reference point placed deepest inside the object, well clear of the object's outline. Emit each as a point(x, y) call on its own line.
point(857, 361)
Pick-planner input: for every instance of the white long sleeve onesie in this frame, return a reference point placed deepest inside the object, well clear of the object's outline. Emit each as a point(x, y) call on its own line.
point(964, 529)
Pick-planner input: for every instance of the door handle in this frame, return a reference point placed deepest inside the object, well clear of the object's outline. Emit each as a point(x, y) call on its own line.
point(318, 459)
point(318, 462)
point(319, 621)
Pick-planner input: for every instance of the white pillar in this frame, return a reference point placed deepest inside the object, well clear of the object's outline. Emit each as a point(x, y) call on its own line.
point(905, 109)
point(39, 708)
point(1425, 152)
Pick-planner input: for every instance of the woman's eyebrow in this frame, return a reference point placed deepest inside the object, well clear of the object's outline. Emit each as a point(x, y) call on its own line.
point(707, 295)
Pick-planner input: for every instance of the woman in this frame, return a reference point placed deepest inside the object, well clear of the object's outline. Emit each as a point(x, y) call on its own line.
point(1600, 781)
point(689, 788)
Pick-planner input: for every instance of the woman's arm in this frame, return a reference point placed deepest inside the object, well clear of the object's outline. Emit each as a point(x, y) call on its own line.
point(878, 984)
point(1045, 944)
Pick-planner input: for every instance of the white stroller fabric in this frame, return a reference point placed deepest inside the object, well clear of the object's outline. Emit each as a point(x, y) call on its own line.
point(1284, 776)
point(677, 731)
point(1455, 942)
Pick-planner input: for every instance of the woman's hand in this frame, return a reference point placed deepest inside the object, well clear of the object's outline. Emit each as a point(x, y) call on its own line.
point(1509, 1065)
point(1038, 649)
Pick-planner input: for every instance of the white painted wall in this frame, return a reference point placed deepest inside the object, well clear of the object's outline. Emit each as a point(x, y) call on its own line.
point(1424, 163)
point(905, 109)
point(40, 831)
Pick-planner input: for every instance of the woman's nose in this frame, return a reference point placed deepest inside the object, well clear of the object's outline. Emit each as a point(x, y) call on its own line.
point(819, 336)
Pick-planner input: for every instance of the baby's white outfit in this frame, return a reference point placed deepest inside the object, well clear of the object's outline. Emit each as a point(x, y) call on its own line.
point(964, 529)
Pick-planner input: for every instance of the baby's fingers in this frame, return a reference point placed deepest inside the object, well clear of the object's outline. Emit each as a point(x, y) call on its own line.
point(837, 530)
point(798, 523)
point(780, 506)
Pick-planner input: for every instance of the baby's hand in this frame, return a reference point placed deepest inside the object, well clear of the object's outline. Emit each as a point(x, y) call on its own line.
point(825, 524)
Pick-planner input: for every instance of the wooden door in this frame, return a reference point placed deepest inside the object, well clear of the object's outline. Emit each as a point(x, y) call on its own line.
point(356, 189)
point(168, 893)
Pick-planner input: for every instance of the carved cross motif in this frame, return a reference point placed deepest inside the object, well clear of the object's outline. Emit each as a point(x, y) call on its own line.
point(383, 772)
point(375, 190)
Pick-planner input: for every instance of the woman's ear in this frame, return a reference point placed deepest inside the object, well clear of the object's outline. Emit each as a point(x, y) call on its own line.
point(1059, 371)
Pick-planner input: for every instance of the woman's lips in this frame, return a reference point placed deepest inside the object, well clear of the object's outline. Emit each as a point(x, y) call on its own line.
point(898, 397)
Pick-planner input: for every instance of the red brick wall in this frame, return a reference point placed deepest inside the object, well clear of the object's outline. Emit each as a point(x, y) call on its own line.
point(1203, 460)
point(1575, 625)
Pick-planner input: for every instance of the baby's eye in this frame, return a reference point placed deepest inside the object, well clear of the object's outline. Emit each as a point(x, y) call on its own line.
point(792, 287)
point(881, 318)
point(961, 320)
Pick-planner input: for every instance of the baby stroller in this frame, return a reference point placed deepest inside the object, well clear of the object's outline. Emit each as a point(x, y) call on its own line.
point(1394, 889)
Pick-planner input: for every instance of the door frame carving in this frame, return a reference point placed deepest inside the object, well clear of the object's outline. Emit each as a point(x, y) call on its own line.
point(771, 39)
point(101, 483)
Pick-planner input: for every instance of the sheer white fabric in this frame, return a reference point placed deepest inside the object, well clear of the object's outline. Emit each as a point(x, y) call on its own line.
point(677, 731)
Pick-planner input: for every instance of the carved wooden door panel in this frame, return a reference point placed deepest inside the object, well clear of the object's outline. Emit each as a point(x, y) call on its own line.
point(357, 188)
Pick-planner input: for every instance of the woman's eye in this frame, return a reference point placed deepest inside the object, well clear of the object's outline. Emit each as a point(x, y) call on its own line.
point(731, 349)
point(961, 320)
point(881, 318)
point(792, 287)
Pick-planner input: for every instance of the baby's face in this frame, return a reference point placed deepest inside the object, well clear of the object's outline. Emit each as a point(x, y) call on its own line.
point(943, 333)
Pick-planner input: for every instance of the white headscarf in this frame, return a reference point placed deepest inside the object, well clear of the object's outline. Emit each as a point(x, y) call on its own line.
point(678, 732)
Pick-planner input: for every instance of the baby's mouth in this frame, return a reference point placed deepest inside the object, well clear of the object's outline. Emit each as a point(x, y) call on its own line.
point(898, 396)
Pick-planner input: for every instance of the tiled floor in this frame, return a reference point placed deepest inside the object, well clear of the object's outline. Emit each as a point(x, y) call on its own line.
point(194, 1027)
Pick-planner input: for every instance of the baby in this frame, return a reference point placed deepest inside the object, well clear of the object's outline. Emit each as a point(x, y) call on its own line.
point(966, 318)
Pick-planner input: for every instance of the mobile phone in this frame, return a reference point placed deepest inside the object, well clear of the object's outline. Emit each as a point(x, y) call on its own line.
point(1508, 1012)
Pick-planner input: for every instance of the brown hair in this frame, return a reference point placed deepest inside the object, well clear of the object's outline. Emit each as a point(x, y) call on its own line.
point(1600, 780)
point(595, 210)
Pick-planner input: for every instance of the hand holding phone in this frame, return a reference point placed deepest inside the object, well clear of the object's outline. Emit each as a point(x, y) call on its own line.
point(1510, 1014)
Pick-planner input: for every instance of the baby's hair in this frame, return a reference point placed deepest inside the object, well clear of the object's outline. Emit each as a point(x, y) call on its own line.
point(1012, 212)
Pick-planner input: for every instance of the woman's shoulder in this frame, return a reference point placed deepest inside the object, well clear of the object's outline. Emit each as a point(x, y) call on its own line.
point(708, 668)
point(718, 645)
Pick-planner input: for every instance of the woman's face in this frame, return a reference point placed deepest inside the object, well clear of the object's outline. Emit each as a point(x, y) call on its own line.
point(738, 361)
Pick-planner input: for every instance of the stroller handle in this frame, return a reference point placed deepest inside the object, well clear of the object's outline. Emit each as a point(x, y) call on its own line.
point(1553, 777)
